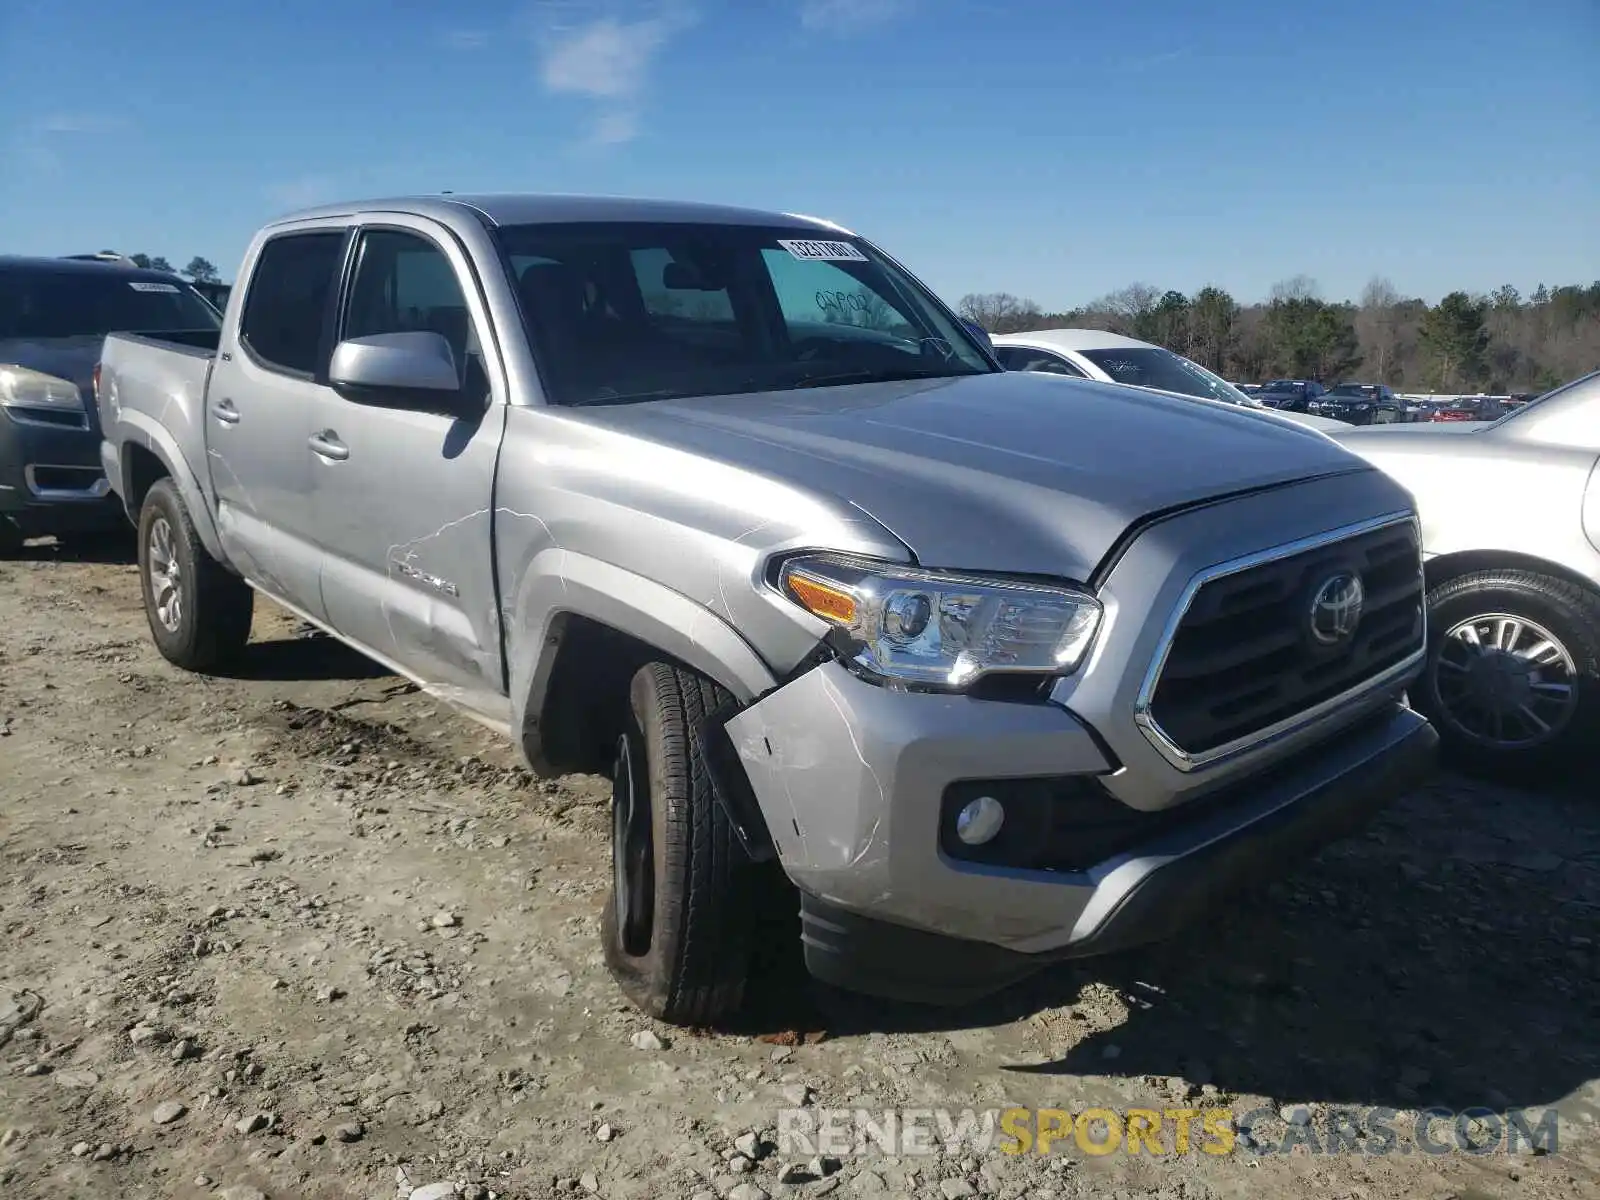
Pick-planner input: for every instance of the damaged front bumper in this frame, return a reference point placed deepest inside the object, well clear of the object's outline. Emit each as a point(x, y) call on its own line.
point(858, 786)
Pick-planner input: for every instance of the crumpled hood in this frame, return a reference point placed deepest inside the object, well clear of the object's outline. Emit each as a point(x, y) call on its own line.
point(1010, 471)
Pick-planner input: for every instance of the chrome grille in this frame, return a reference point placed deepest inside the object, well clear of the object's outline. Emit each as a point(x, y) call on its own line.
point(1242, 660)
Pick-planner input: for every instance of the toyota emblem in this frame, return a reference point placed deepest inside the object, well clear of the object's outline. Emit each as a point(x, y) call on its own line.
point(1336, 609)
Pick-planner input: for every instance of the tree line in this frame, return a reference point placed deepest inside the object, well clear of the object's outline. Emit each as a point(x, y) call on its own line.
point(1500, 342)
point(199, 269)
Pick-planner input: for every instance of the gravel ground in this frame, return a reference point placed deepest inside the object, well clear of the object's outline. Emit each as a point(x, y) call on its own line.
point(304, 934)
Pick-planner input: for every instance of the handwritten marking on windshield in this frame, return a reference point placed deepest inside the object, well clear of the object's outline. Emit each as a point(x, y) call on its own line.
point(842, 301)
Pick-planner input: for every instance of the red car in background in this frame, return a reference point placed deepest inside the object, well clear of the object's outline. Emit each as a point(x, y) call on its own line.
point(1484, 408)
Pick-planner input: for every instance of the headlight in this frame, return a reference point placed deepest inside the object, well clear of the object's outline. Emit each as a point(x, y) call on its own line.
point(942, 630)
point(21, 388)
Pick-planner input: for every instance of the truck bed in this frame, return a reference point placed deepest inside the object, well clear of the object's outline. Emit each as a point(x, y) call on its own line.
point(152, 393)
point(185, 340)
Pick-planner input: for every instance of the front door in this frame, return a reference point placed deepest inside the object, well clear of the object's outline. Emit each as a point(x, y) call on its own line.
point(261, 410)
point(404, 503)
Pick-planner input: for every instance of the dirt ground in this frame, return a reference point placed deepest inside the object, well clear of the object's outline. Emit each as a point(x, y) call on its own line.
point(304, 934)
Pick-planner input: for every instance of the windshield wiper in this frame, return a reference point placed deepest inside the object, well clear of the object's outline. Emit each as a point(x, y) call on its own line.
point(880, 375)
point(628, 398)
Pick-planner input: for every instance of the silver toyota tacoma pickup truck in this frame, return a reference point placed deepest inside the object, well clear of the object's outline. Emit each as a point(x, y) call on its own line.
point(728, 506)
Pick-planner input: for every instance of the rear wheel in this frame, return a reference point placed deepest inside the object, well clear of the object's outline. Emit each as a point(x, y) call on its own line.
point(199, 611)
point(679, 921)
point(1513, 675)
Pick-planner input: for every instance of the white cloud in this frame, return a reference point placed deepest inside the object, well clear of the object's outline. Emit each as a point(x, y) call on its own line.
point(850, 14)
point(80, 123)
point(606, 59)
point(304, 191)
point(37, 143)
point(1154, 60)
point(614, 128)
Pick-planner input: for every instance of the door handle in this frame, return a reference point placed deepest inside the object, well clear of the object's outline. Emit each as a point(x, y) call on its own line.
point(224, 411)
point(327, 445)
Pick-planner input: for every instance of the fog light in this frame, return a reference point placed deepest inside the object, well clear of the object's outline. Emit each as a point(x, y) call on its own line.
point(979, 821)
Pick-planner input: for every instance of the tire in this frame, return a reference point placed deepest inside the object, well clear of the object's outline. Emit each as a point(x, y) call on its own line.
point(1551, 629)
point(211, 622)
point(10, 537)
point(679, 920)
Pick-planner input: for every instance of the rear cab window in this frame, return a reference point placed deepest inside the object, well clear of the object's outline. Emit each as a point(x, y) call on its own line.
point(1152, 367)
point(1021, 358)
point(286, 307)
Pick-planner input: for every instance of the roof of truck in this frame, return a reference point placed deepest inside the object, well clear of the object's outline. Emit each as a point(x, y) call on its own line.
point(535, 209)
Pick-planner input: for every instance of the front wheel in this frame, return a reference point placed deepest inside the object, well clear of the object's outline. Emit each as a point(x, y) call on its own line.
point(679, 922)
point(1512, 681)
point(199, 611)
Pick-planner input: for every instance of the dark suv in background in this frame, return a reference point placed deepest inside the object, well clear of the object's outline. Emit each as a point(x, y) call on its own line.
point(54, 316)
point(1292, 395)
point(1363, 404)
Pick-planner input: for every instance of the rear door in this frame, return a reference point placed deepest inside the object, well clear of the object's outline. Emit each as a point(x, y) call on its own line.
point(1025, 358)
point(261, 410)
point(405, 505)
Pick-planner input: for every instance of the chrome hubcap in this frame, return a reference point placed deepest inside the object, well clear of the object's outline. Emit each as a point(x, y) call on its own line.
point(166, 576)
point(1506, 682)
point(632, 852)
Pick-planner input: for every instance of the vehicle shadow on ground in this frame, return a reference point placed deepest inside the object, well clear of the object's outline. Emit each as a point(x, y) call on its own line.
point(1443, 958)
point(116, 549)
point(309, 658)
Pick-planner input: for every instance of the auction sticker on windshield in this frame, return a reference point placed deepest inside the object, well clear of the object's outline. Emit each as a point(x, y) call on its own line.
point(144, 285)
point(823, 251)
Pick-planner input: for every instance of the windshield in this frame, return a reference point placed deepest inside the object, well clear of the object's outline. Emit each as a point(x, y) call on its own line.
point(1153, 367)
point(621, 312)
point(1354, 389)
point(41, 303)
point(1285, 385)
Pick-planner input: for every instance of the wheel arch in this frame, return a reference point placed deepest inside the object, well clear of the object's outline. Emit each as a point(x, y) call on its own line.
point(581, 628)
point(149, 454)
point(1442, 568)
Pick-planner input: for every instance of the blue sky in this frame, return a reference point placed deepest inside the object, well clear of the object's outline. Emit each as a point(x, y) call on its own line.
point(1055, 149)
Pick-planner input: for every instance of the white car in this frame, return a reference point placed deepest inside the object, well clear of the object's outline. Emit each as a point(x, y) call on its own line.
point(1510, 513)
point(1112, 358)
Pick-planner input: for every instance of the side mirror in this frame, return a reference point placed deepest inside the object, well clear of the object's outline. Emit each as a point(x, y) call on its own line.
point(412, 370)
point(982, 334)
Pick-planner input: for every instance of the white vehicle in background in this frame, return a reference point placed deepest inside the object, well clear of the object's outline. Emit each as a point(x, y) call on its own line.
point(1510, 515)
point(1112, 358)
